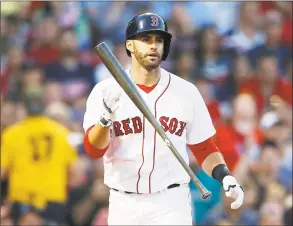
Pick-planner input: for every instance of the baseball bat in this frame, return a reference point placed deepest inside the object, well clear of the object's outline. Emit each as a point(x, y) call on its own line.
point(131, 90)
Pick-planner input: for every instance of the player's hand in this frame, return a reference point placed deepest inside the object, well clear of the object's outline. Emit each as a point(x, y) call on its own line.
point(111, 101)
point(233, 190)
point(111, 104)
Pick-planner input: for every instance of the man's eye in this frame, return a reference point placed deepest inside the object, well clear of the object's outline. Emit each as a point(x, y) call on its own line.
point(159, 40)
point(145, 39)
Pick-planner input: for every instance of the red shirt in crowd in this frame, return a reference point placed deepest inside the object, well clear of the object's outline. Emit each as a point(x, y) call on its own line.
point(214, 110)
point(231, 144)
point(44, 54)
point(287, 31)
point(281, 88)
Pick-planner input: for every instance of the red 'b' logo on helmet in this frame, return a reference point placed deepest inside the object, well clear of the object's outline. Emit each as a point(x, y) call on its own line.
point(155, 21)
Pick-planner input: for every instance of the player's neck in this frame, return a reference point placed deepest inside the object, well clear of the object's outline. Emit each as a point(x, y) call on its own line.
point(144, 77)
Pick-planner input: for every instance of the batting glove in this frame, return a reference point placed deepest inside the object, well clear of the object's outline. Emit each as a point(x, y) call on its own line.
point(111, 104)
point(233, 190)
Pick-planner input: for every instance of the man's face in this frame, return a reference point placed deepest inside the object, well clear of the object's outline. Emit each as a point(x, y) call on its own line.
point(244, 114)
point(148, 50)
point(68, 43)
point(210, 41)
point(268, 68)
point(250, 12)
point(15, 57)
point(48, 30)
point(274, 32)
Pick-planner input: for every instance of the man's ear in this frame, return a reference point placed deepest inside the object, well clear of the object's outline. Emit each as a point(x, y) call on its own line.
point(129, 45)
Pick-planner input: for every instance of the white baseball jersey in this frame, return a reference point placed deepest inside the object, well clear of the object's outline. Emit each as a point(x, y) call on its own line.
point(138, 160)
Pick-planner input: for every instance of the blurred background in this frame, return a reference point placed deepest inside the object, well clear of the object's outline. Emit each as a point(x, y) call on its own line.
point(238, 54)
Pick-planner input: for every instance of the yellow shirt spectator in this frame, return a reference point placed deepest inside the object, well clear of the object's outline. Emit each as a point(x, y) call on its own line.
point(37, 155)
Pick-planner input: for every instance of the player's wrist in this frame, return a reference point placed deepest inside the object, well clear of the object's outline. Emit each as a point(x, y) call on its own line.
point(105, 121)
point(220, 172)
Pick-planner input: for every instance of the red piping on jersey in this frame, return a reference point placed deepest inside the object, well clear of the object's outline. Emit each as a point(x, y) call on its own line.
point(154, 153)
point(142, 153)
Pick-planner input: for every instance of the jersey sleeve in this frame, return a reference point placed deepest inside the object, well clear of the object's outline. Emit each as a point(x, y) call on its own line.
point(94, 108)
point(201, 126)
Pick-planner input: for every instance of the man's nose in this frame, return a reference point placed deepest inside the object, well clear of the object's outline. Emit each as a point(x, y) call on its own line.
point(154, 45)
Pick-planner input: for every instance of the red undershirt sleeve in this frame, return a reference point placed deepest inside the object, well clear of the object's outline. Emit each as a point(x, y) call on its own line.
point(93, 152)
point(203, 149)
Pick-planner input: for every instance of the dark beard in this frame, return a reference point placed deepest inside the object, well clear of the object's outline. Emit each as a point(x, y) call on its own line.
point(145, 63)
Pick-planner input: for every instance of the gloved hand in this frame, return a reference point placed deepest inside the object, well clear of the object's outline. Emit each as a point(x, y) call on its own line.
point(111, 104)
point(233, 190)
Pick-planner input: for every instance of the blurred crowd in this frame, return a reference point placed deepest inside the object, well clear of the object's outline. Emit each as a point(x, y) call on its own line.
point(238, 54)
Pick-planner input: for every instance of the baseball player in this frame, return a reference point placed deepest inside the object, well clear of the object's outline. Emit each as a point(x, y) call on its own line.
point(148, 186)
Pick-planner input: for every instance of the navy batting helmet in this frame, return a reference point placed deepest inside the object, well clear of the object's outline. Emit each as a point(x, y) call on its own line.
point(149, 22)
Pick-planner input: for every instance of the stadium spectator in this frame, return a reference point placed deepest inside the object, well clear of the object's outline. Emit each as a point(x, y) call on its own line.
point(266, 84)
point(45, 41)
point(11, 76)
point(273, 127)
point(115, 22)
point(59, 112)
point(40, 165)
point(4, 39)
point(266, 169)
point(32, 76)
point(53, 92)
point(5, 214)
point(246, 35)
point(213, 105)
point(273, 32)
point(214, 62)
point(96, 198)
point(186, 65)
point(242, 134)
point(182, 30)
point(101, 72)
point(287, 12)
point(240, 73)
point(213, 13)
point(75, 77)
point(8, 114)
point(278, 130)
point(271, 213)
